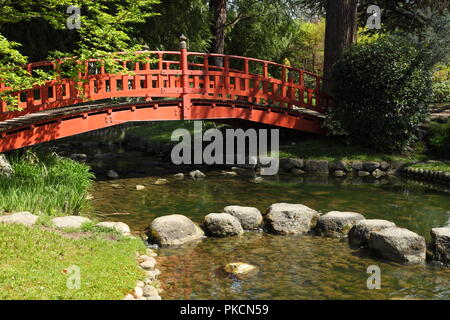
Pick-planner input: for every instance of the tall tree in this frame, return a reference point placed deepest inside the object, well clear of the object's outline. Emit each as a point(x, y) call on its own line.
point(340, 31)
point(218, 9)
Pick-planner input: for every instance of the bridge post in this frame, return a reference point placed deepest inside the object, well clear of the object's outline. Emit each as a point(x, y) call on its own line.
point(185, 78)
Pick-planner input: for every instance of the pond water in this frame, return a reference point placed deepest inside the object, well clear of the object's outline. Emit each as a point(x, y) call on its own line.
point(290, 267)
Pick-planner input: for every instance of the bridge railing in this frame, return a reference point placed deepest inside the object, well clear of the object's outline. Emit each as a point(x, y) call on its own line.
point(180, 74)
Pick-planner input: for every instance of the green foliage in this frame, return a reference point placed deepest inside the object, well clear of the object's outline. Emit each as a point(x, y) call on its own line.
point(439, 140)
point(177, 17)
point(441, 83)
point(44, 183)
point(106, 28)
point(35, 262)
point(380, 94)
point(441, 91)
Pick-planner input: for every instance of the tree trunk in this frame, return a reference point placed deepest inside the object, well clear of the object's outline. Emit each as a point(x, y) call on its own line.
point(340, 31)
point(218, 9)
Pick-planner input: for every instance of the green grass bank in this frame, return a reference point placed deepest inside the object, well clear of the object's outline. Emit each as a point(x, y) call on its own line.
point(44, 184)
point(35, 264)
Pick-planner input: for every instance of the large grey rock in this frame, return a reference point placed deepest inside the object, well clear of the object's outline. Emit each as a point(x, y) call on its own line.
point(357, 165)
point(174, 229)
point(69, 221)
point(289, 163)
point(371, 166)
point(121, 227)
point(338, 165)
point(337, 223)
point(359, 234)
point(249, 217)
point(25, 218)
point(316, 166)
point(5, 166)
point(441, 244)
point(285, 218)
point(222, 225)
point(399, 245)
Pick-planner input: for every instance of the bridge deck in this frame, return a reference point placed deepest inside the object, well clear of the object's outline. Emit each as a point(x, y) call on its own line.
point(65, 112)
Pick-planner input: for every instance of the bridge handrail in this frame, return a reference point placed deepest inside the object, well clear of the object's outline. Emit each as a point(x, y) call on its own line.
point(293, 89)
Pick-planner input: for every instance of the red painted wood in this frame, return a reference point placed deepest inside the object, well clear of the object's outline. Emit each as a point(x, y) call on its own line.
point(175, 77)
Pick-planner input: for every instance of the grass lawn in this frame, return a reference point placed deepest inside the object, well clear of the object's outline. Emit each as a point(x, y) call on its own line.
point(34, 263)
point(328, 148)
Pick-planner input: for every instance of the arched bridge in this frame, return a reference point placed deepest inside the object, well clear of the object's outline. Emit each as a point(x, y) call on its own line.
point(180, 85)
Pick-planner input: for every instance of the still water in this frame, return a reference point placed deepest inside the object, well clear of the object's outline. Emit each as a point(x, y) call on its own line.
point(290, 267)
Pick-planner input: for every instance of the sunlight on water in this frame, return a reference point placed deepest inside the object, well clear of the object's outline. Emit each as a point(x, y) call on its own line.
point(290, 267)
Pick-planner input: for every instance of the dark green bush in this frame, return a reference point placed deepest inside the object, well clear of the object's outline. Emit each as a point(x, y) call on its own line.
point(439, 140)
point(441, 91)
point(380, 94)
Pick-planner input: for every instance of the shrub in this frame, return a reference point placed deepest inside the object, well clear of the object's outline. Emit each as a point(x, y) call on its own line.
point(44, 183)
point(441, 91)
point(380, 94)
point(439, 140)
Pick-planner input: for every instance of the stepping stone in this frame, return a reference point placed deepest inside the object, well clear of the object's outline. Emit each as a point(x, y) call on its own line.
point(337, 223)
point(249, 217)
point(359, 234)
point(286, 218)
point(399, 245)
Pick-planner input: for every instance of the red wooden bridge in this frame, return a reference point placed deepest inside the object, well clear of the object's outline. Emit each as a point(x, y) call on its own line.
point(181, 85)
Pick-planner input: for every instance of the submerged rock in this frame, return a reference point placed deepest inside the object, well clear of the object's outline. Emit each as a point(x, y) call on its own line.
point(140, 187)
point(197, 175)
point(337, 223)
point(359, 234)
point(112, 174)
point(121, 227)
point(222, 225)
point(174, 229)
point(178, 176)
point(161, 181)
point(240, 269)
point(69, 222)
point(25, 218)
point(399, 245)
point(249, 217)
point(285, 218)
point(441, 244)
point(229, 173)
